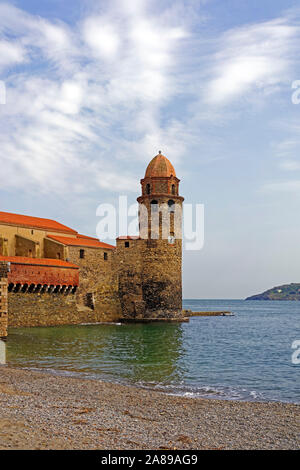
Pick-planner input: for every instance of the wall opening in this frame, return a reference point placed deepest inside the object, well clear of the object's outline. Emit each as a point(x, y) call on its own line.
point(154, 206)
point(90, 300)
point(171, 205)
point(81, 254)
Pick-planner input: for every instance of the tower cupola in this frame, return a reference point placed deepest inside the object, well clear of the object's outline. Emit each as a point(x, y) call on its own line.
point(160, 178)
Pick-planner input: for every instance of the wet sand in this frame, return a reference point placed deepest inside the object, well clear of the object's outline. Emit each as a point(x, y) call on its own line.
point(44, 411)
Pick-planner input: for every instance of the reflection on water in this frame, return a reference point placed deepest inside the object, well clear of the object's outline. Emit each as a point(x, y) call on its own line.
point(2, 352)
point(139, 352)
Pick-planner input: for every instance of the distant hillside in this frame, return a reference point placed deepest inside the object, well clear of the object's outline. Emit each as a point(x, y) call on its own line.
point(285, 292)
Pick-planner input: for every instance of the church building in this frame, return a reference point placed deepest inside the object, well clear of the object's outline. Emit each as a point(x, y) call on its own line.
point(50, 274)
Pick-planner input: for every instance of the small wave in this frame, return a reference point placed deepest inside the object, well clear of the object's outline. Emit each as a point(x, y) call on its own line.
point(216, 392)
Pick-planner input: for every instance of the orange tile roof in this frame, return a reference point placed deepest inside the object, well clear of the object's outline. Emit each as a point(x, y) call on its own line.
point(80, 241)
point(34, 222)
point(160, 166)
point(79, 235)
point(38, 261)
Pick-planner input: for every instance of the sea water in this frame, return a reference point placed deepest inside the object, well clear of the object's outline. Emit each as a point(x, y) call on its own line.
point(247, 356)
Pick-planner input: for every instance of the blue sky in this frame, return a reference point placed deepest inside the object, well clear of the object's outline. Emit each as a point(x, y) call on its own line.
point(95, 89)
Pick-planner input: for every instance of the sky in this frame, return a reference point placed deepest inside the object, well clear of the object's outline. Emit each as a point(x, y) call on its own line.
point(94, 89)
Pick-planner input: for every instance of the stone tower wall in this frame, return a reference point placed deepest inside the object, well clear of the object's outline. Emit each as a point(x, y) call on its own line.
point(3, 300)
point(150, 267)
point(161, 278)
point(128, 264)
point(161, 228)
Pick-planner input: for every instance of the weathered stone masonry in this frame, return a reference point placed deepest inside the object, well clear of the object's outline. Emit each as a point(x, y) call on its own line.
point(46, 309)
point(3, 300)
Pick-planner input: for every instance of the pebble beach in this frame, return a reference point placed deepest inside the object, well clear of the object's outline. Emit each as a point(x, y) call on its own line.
point(40, 410)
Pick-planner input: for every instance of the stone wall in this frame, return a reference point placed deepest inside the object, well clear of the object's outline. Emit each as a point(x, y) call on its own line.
point(3, 300)
point(27, 247)
point(162, 278)
point(98, 281)
point(149, 273)
point(43, 310)
point(29, 310)
point(3, 246)
point(96, 300)
point(161, 254)
point(54, 250)
point(128, 265)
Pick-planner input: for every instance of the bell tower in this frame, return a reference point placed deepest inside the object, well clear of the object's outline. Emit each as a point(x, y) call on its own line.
point(160, 220)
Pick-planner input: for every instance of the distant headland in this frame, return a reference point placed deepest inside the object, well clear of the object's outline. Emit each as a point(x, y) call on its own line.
point(285, 292)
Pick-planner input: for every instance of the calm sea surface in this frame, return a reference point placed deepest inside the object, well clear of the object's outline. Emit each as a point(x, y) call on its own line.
point(245, 357)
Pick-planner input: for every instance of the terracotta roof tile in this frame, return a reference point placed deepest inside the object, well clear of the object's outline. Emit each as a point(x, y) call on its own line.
point(38, 261)
point(80, 241)
point(34, 222)
point(160, 166)
point(79, 235)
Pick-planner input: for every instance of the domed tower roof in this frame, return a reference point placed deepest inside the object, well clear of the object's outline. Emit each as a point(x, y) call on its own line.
point(160, 166)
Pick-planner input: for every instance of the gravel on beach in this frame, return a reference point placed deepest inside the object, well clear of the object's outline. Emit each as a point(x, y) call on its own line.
point(40, 410)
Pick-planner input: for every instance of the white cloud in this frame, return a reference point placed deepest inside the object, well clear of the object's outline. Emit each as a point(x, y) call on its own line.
point(101, 37)
point(85, 95)
point(11, 54)
point(96, 99)
point(255, 56)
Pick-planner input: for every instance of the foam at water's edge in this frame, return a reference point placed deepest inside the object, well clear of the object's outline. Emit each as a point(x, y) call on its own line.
point(194, 392)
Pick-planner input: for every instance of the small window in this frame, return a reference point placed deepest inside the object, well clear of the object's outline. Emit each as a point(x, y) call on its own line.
point(148, 189)
point(171, 205)
point(58, 255)
point(81, 254)
point(171, 239)
point(126, 244)
point(173, 189)
point(105, 256)
point(32, 232)
point(154, 206)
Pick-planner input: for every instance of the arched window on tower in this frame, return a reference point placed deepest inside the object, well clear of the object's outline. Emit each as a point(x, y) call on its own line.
point(148, 189)
point(171, 205)
point(173, 189)
point(154, 206)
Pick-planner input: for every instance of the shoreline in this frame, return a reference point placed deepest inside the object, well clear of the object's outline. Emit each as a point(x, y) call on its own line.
point(41, 410)
point(210, 394)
